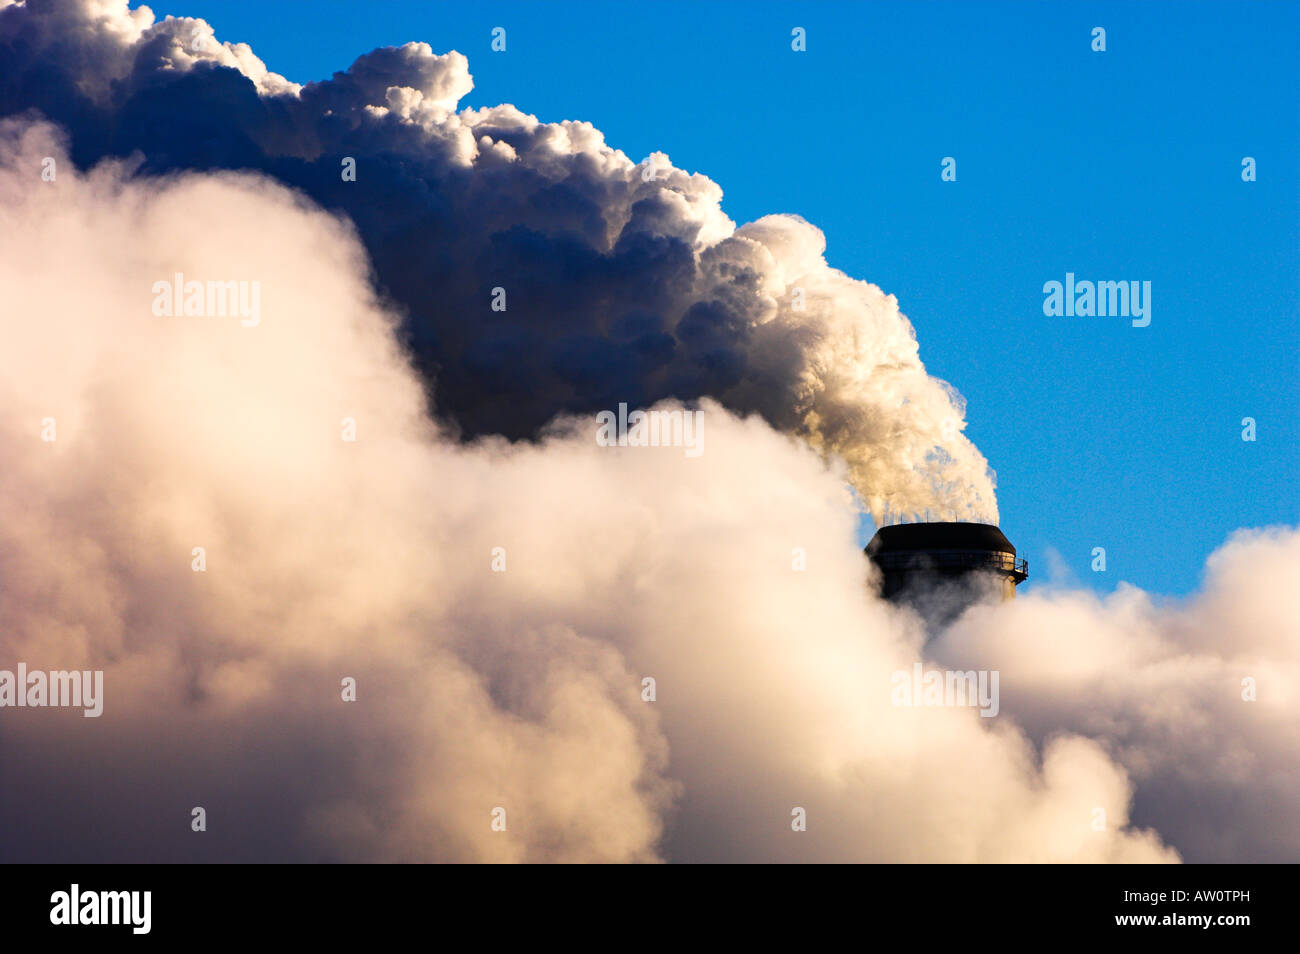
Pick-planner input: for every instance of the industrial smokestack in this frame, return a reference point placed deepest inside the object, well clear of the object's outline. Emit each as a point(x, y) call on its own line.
point(941, 568)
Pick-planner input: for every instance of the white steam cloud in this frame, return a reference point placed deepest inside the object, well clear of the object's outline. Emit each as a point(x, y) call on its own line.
point(521, 689)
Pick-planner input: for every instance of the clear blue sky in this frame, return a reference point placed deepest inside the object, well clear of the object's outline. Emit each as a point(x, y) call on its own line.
point(1117, 165)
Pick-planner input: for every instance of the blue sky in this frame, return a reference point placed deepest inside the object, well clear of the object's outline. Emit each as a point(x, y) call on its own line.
point(1117, 165)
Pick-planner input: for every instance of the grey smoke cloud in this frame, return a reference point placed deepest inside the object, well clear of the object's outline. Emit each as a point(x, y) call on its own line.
point(620, 287)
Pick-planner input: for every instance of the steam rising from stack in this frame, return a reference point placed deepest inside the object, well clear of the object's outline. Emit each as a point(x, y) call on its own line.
point(618, 289)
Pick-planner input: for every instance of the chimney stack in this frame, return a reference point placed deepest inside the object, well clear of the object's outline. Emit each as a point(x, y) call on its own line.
point(941, 568)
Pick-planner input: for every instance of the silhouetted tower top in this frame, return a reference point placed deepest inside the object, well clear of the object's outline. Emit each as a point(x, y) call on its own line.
point(918, 556)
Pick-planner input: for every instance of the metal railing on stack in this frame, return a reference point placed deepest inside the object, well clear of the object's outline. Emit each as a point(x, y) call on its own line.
point(952, 560)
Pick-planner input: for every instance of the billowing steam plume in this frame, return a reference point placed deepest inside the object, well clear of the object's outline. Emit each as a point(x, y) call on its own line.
point(622, 282)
